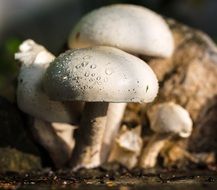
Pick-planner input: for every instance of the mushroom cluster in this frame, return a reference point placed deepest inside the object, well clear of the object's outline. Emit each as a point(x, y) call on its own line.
point(94, 80)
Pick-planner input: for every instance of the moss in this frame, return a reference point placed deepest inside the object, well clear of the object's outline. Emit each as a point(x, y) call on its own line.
point(17, 161)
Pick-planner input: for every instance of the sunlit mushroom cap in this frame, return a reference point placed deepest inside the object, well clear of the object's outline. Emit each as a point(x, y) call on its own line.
point(100, 74)
point(30, 97)
point(132, 28)
point(170, 118)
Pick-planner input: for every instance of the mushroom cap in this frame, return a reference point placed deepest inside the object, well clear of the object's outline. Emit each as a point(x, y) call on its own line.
point(132, 28)
point(100, 74)
point(30, 96)
point(171, 118)
point(32, 100)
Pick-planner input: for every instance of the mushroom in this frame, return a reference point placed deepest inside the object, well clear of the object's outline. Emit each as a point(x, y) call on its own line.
point(32, 100)
point(127, 147)
point(98, 76)
point(166, 120)
point(134, 29)
point(131, 28)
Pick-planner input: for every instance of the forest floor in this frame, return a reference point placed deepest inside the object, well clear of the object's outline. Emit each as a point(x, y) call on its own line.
point(103, 179)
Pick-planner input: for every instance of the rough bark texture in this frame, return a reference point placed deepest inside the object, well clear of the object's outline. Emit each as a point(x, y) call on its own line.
point(189, 78)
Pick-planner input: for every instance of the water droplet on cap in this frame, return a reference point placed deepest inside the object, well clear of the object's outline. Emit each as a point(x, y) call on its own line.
point(87, 57)
point(78, 66)
point(84, 64)
point(64, 78)
point(93, 66)
point(108, 71)
point(86, 74)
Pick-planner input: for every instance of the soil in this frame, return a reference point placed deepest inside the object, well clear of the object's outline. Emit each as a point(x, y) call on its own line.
point(104, 178)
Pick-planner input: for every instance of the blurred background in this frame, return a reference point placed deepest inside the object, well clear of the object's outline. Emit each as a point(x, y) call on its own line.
point(49, 22)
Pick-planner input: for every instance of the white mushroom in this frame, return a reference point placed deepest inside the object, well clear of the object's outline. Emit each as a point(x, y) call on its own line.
point(56, 138)
point(114, 117)
point(32, 100)
point(127, 147)
point(97, 75)
point(166, 119)
point(132, 28)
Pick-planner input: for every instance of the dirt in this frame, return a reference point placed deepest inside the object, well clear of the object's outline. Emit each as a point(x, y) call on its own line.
point(104, 178)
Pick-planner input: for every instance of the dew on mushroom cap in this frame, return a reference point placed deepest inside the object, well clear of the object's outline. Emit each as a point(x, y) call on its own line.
point(113, 76)
point(108, 74)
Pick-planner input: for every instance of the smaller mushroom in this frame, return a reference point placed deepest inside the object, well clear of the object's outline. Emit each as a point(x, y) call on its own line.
point(127, 147)
point(166, 120)
point(53, 120)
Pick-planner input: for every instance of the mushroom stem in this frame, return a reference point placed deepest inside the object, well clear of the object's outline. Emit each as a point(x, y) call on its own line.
point(89, 136)
point(114, 116)
point(57, 147)
point(150, 153)
point(65, 132)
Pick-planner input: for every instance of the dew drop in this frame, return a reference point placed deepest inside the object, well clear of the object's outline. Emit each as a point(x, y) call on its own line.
point(136, 99)
point(84, 64)
point(86, 57)
point(146, 88)
point(78, 66)
point(86, 74)
point(108, 71)
point(98, 78)
point(93, 74)
point(85, 87)
point(64, 78)
point(93, 66)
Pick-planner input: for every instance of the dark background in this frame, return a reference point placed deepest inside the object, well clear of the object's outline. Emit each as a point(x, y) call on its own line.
point(49, 22)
